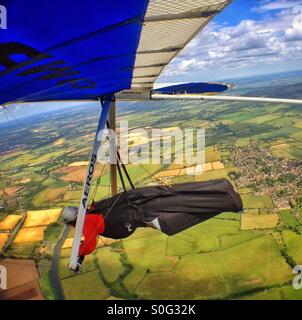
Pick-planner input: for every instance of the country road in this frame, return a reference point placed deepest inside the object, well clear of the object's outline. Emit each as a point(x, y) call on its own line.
point(17, 228)
point(54, 273)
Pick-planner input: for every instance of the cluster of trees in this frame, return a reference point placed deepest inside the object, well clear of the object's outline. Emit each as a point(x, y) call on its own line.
point(234, 175)
point(296, 203)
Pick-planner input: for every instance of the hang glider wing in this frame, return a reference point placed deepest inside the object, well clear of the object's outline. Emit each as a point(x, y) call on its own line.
point(59, 50)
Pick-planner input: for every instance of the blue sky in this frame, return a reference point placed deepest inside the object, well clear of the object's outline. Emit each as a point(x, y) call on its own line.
point(250, 37)
point(237, 11)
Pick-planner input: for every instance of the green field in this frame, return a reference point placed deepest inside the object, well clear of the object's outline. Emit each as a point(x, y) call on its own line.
point(263, 119)
point(214, 260)
point(255, 202)
point(242, 142)
point(46, 287)
point(282, 153)
point(109, 263)
point(64, 272)
point(216, 174)
point(211, 260)
point(288, 218)
point(232, 240)
point(219, 274)
point(87, 286)
point(278, 293)
point(293, 244)
point(23, 250)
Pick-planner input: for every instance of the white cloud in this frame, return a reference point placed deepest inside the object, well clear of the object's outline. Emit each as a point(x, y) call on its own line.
point(292, 34)
point(251, 44)
point(269, 5)
point(242, 28)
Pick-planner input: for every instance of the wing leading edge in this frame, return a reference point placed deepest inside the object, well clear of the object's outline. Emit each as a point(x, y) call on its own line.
point(168, 27)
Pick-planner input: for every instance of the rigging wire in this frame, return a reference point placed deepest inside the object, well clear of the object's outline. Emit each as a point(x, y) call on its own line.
point(7, 111)
point(120, 162)
point(125, 170)
point(151, 175)
point(98, 183)
point(11, 114)
point(121, 176)
point(5, 114)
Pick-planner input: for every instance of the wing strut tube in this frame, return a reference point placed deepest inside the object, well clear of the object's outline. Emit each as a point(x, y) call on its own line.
point(160, 96)
point(106, 104)
point(121, 164)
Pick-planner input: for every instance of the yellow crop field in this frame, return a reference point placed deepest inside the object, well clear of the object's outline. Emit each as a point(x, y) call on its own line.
point(25, 180)
point(3, 239)
point(208, 166)
point(59, 142)
point(30, 234)
point(170, 129)
point(212, 155)
point(68, 243)
point(191, 171)
point(9, 222)
point(187, 171)
point(78, 164)
point(264, 221)
point(298, 124)
point(280, 146)
point(42, 217)
point(169, 173)
point(217, 165)
point(102, 242)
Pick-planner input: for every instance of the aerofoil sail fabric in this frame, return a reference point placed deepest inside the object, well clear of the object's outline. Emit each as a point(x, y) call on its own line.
point(177, 208)
point(75, 50)
point(66, 49)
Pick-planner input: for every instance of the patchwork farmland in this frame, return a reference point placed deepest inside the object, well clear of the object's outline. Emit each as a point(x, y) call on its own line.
point(257, 148)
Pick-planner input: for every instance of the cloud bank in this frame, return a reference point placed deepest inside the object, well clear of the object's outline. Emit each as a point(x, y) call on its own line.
point(262, 44)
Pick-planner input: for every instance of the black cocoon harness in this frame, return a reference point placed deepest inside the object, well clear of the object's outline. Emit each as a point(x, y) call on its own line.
point(176, 208)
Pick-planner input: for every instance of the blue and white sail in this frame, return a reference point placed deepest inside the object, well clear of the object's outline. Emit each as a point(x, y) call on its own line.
point(67, 50)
